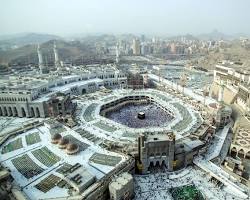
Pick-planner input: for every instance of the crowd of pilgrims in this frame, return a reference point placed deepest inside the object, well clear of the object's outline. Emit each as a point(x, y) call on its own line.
point(128, 115)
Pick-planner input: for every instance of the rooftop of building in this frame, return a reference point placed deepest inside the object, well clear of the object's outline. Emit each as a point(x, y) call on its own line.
point(38, 140)
point(160, 137)
point(24, 82)
point(242, 69)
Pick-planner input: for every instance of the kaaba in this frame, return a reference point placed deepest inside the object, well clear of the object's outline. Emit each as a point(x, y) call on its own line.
point(141, 115)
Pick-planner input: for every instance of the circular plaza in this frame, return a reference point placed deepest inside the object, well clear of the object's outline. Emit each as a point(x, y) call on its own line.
point(117, 114)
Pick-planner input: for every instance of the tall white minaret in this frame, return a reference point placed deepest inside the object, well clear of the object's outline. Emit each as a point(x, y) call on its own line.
point(117, 54)
point(57, 62)
point(221, 92)
point(40, 59)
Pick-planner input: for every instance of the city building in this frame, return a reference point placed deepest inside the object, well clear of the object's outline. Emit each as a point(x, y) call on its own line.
point(122, 187)
point(136, 46)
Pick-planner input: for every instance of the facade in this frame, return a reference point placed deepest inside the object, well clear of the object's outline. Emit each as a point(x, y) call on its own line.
point(135, 81)
point(223, 116)
point(156, 150)
point(243, 98)
point(60, 104)
point(240, 146)
point(237, 81)
point(163, 150)
point(136, 77)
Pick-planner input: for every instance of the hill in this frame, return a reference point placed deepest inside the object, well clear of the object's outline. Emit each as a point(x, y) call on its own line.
point(18, 40)
point(68, 51)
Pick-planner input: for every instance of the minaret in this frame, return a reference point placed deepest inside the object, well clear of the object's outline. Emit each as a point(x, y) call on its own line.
point(221, 92)
point(57, 62)
point(40, 59)
point(219, 116)
point(117, 54)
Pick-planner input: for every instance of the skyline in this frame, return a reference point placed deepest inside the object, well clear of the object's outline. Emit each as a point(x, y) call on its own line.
point(112, 17)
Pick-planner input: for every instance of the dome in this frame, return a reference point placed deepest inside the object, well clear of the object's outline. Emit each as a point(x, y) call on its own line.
point(63, 143)
point(72, 148)
point(56, 138)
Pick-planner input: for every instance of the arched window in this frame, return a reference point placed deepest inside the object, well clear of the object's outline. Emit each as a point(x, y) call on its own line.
point(15, 112)
point(37, 112)
point(5, 111)
point(23, 112)
point(233, 152)
point(83, 91)
point(241, 153)
point(32, 112)
point(10, 111)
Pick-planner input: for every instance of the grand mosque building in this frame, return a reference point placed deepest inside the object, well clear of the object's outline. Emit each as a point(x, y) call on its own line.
point(31, 96)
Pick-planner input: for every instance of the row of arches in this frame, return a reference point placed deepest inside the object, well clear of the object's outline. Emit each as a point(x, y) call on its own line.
point(8, 111)
point(14, 112)
point(106, 76)
point(240, 153)
point(13, 99)
point(43, 90)
point(110, 83)
point(34, 112)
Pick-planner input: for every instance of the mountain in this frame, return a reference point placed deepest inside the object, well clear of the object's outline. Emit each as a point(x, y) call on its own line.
point(179, 37)
point(215, 35)
point(69, 51)
point(18, 40)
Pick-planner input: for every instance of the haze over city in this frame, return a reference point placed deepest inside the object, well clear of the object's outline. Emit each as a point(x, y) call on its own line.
point(124, 100)
point(160, 17)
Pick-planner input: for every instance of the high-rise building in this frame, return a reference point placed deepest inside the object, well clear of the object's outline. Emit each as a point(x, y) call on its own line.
point(143, 38)
point(136, 46)
point(143, 49)
point(173, 48)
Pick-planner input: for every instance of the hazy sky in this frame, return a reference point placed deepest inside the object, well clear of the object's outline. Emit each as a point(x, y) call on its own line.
point(168, 17)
